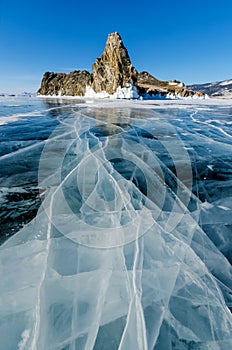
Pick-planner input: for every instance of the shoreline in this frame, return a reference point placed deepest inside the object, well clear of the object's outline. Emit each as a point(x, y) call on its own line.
point(136, 103)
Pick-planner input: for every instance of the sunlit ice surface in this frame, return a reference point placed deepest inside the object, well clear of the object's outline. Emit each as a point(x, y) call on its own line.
point(116, 225)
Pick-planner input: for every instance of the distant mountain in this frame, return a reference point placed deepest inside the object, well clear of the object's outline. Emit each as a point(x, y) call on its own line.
point(27, 94)
point(112, 75)
point(2, 94)
point(22, 94)
point(218, 89)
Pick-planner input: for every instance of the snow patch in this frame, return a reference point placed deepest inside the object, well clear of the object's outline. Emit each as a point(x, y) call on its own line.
point(6, 120)
point(173, 83)
point(18, 116)
point(225, 82)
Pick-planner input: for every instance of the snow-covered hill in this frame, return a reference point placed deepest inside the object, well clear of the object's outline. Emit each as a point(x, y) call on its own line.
point(219, 89)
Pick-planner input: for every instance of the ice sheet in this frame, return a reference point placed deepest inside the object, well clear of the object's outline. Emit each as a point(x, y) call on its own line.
point(124, 251)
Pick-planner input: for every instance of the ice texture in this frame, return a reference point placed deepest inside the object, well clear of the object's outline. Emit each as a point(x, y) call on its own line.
point(118, 255)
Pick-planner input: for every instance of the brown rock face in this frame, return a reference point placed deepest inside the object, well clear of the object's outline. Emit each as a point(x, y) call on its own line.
point(72, 84)
point(113, 68)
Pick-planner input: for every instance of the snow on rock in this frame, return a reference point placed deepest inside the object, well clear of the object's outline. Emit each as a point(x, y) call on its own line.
point(176, 83)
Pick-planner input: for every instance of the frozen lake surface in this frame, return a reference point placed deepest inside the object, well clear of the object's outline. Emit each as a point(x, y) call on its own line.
point(116, 224)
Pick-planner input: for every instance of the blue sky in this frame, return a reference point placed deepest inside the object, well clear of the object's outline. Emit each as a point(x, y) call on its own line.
point(185, 40)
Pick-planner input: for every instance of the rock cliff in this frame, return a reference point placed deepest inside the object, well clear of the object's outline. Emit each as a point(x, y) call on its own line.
point(113, 68)
point(111, 71)
point(58, 84)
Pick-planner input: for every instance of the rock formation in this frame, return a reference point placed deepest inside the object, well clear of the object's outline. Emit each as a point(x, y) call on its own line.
point(148, 85)
point(114, 67)
point(72, 84)
point(111, 71)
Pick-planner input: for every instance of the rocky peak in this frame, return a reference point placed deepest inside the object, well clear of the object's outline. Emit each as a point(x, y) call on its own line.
point(113, 68)
point(115, 48)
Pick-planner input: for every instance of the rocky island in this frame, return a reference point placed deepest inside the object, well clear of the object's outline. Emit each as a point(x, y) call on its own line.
point(113, 75)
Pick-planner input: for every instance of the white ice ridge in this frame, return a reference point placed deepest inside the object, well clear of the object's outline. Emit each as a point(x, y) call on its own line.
point(128, 92)
point(115, 258)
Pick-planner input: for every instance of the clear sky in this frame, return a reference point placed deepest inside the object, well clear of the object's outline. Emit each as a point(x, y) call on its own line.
point(185, 40)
